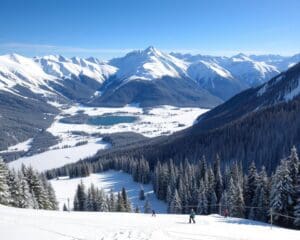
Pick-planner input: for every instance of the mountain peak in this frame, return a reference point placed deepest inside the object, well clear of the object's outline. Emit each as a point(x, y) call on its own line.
point(151, 51)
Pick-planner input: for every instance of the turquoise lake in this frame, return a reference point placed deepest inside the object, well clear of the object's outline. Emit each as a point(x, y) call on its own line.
point(110, 120)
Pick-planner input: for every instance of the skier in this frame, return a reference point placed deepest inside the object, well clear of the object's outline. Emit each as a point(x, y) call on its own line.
point(153, 213)
point(226, 213)
point(192, 216)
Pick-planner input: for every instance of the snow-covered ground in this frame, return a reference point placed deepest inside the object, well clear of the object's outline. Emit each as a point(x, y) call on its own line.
point(151, 122)
point(22, 146)
point(65, 188)
point(26, 224)
point(59, 157)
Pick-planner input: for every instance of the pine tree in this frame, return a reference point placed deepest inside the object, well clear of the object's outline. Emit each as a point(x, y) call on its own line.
point(175, 205)
point(26, 200)
point(235, 200)
point(297, 206)
point(137, 209)
point(250, 186)
point(80, 199)
point(4, 190)
point(37, 190)
point(120, 203)
point(260, 201)
point(112, 201)
point(202, 207)
point(218, 184)
point(281, 193)
point(65, 207)
point(101, 201)
point(14, 188)
point(142, 194)
point(126, 201)
point(147, 206)
point(293, 167)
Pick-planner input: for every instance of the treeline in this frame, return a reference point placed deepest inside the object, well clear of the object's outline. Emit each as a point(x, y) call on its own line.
point(251, 195)
point(212, 187)
point(138, 168)
point(95, 199)
point(25, 188)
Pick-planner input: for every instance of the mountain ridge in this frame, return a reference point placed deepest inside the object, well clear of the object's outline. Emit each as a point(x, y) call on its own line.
point(221, 77)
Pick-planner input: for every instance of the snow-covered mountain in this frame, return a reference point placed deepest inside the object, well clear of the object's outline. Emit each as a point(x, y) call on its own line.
point(283, 88)
point(214, 78)
point(61, 67)
point(137, 76)
point(249, 71)
point(150, 77)
point(149, 64)
point(51, 75)
point(18, 70)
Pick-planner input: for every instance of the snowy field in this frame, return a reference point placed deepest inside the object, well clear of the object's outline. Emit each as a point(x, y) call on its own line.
point(22, 146)
point(151, 122)
point(59, 157)
point(115, 180)
point(27, 224)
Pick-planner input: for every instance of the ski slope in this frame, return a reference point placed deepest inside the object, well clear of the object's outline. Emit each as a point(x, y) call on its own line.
point(28, 224)
point(65, 188)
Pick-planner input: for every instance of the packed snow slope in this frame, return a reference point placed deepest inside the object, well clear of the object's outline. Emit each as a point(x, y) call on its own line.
point(27, 224)
point(110, 180)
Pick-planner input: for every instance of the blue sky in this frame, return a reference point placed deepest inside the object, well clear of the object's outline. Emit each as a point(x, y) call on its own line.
point(111, 28)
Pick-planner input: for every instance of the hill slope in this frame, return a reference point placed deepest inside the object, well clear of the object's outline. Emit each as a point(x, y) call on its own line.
point(52, 225)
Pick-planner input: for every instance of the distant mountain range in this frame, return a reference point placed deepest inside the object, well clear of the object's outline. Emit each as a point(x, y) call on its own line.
point(260, 124)
point(148, 77)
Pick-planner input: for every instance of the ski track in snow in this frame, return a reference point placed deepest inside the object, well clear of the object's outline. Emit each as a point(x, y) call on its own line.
point(28, 224)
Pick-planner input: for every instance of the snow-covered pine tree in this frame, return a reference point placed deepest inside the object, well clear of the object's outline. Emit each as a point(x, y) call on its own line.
point(101, 200)
point(112, 201)
point(120, 204)
point(293, 166)
point(137, 209)
point(147, 206)
point(142, 193)
point(4, 190)
point(50, 202)
point(36, 188)
point(250, 186)
point(65, 207)
point(126, 201)
point(224, 202)
point(281, 193)
point(218, 183)
point(297, 194)
point(235, 199)
point(14, 188)
point(202, 168)
point(260, 202)
point(239, 209)
point(76, 203)
point(297, 207)
point(80, 199)
point(175, 205)
point(91, 202)
point(26, 200)
point(210, 186)
point(202, 207)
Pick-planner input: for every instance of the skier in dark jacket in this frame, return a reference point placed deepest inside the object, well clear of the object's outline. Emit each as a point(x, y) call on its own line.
point(192, 216)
